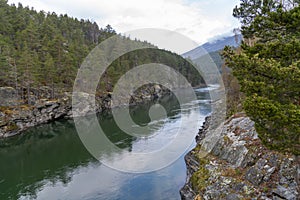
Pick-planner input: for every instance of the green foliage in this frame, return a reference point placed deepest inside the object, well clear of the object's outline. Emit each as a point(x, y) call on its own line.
point(41, 50)
point(253, 10)
point(269, 75)
point(199, 178)
point(144, 56)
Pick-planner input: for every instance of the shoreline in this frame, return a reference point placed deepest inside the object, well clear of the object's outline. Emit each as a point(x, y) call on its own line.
point(14, 120)
point(238, 166)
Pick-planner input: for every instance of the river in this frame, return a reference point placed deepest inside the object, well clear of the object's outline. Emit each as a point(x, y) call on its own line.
point(50, 162)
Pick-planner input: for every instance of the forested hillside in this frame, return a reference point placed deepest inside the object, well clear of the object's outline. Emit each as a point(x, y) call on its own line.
point(42, 51)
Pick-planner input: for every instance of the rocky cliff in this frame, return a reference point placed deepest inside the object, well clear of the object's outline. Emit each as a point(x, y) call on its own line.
point(16, 118)
point(238, 166)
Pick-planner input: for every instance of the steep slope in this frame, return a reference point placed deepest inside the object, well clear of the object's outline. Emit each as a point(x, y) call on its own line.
point(214, 46)
point(238, 166)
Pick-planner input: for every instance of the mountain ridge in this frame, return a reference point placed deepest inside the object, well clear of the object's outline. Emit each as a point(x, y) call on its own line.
point(215, 45)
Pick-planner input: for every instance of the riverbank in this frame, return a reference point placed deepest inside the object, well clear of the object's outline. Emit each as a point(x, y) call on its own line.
point(238, 166)
point(50, 161)
point(14, 119)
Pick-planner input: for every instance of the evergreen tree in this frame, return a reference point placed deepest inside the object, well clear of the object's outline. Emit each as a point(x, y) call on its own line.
point(39, 49)
point(50, 72)
point(269, 75)
point(26, 67)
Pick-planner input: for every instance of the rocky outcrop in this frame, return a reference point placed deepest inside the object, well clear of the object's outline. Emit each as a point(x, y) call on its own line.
point(192, 163)
point(15, 119)
point(8, 96)
point(18, 118)
point(238, 166)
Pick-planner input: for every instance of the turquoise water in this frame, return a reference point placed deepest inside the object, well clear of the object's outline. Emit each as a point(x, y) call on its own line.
point(50, 162)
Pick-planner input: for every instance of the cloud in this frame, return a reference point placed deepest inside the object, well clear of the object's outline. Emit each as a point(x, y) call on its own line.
point(197, 19)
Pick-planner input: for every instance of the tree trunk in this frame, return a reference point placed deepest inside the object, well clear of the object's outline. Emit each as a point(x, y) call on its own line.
point(28, 94)
point(52, 90)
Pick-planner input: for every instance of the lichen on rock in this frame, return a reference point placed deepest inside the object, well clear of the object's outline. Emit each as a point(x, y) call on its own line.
point(238, 166)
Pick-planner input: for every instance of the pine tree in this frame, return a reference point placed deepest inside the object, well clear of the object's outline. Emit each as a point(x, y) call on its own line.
point(27, 68)
point(51, 73)
point(269, 75)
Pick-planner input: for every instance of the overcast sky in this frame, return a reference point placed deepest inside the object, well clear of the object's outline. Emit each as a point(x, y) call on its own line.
point(200, 20)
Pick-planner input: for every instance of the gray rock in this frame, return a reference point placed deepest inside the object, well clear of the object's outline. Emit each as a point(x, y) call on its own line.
point(269, 173)
point(255, 172)
point(232, 197)
point(8, 96)
point(285, 193)
point(254, 176)
point(45, 110)
point(187, 193)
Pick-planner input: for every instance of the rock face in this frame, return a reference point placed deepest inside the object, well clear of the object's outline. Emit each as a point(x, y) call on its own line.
point(238, 166)
point(8, 96)
point(15, 119)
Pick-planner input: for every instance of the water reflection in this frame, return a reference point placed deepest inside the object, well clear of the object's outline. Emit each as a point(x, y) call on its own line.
point(50, 162)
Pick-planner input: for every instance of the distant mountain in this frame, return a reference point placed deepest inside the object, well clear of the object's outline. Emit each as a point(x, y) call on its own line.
point(214, 46)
